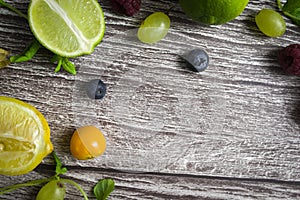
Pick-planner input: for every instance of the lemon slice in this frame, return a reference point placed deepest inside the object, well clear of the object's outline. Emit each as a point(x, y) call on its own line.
point(24, 137)
point(68, 28)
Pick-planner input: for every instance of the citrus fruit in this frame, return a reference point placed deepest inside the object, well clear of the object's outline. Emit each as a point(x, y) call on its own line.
point(24, 137)
point(213, 11)
point(68, 28)
point(87, 142)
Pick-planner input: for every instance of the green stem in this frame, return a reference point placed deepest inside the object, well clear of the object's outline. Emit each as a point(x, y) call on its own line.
point(27, 184)
point(75, 185)
point(8, 6)
point(291, 16)
point(279, 4)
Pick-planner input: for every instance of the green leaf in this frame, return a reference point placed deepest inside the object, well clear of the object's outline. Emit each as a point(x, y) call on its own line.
point(291, 5)
point(28, 53)
point(65, 63)
point(292, 10)
point(59, 169)
point(103, 188)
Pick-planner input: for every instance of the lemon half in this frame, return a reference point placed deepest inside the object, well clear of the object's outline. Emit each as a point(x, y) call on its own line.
point(24, 137)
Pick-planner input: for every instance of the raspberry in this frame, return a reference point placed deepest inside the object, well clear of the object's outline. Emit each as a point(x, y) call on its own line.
point(289, 59)
point(127, 7)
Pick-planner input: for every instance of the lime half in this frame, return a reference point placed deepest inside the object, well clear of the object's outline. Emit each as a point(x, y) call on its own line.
point(68, 28)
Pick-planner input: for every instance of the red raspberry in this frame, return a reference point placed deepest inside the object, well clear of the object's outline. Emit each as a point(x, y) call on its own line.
point(127, 7)
point(289, 59)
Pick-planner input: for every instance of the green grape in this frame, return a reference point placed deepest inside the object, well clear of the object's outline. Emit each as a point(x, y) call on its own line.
point(270, 22)
point(154, 28)
point(52, 190)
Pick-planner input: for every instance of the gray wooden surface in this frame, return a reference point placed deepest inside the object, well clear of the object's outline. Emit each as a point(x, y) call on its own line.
point(231, 132)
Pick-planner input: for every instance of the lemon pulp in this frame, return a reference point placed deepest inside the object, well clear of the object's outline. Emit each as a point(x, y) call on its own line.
point(24, 137)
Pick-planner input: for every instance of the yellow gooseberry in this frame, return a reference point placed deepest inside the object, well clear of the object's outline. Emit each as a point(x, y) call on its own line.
point(87, 142)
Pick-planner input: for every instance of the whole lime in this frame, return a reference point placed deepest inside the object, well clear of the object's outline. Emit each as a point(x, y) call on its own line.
point(213, 11)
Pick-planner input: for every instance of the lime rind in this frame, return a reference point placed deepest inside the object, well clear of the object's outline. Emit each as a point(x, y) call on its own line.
point(67, 28)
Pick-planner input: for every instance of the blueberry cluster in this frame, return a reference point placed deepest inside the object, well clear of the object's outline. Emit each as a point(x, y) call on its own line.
point(127, 7)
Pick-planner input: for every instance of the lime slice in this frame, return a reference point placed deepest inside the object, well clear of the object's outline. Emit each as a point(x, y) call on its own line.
point(24, 137)
point(68, 28)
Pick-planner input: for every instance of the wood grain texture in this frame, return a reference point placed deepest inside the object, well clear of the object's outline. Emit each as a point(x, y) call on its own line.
point(133, 186)
point(238, 119)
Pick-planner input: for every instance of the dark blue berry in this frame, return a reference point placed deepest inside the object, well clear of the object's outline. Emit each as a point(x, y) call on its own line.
point(197, 59)
point(96, 89)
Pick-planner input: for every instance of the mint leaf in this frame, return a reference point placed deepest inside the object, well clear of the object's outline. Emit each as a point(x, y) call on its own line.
point(103, 188)
point(291, 5)
point(291, 9)
point(65, 63)
point(28, 53)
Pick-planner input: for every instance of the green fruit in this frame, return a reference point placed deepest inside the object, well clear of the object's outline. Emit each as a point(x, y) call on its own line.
point(154, 28)
point(67, 28)
point(270, 22)
point(213, 11)
point(53, 190)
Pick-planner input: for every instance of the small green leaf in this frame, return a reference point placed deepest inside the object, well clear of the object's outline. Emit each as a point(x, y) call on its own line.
point(2, 3)
point(65, 63)
point(103, 188)
point(68, 66)
point(59, 169)
point(291, 9)
point(28, 53)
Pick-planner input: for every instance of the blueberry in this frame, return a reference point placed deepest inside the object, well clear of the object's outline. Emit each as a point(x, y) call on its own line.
point(197, 59)
point(96, 89)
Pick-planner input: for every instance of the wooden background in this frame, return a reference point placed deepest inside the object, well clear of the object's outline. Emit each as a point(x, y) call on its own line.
point(231, 132)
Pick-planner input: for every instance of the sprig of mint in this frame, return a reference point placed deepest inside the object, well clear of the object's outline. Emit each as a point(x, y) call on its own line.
point(33, 48)
point(291, 9)
point(101, 190)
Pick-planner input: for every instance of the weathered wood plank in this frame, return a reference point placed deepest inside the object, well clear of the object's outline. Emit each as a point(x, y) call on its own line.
point(240, 118)
point(162, 186)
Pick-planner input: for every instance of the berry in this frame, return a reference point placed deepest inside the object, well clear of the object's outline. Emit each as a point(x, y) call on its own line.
point(127, 7)
point(87, 142)
point(96, 89)
point(154, 28)
point(289, 59)
point(197, 59)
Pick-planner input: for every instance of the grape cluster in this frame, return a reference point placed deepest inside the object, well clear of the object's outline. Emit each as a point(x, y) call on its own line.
point(127, 7)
